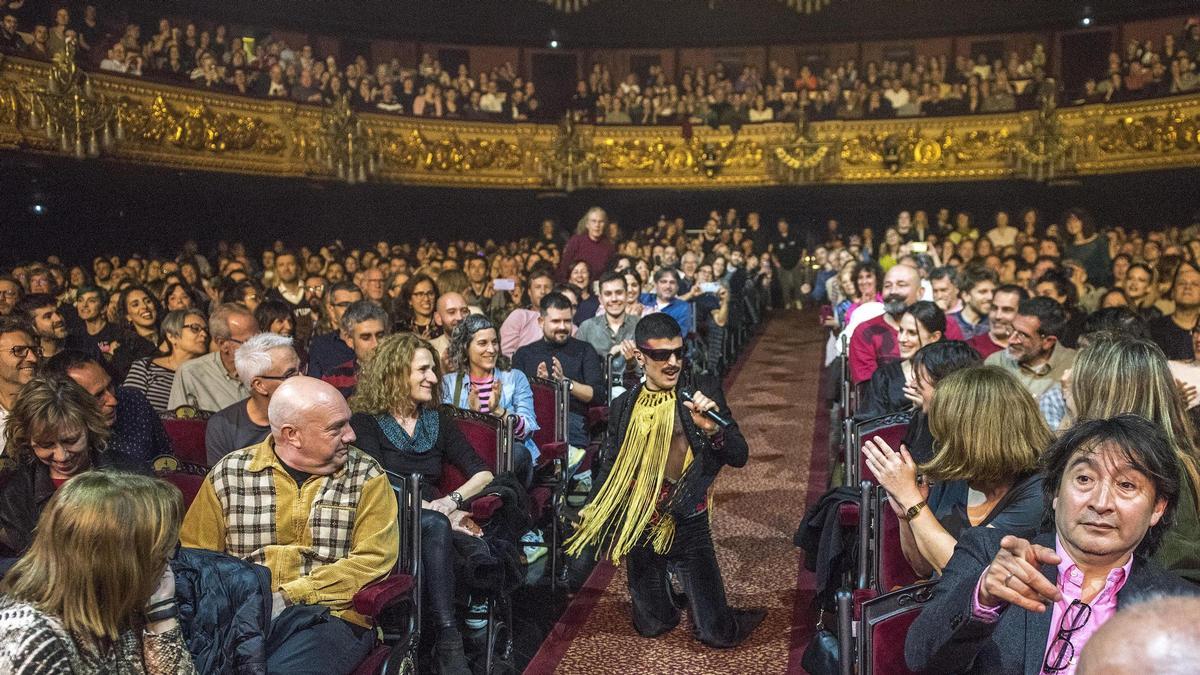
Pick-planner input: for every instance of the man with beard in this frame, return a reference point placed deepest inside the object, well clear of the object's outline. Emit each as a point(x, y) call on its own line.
point(93, 326)
point(976, 286)
point(611, 333)
point(327, 350)
point(19, 359)
point(558, 356)
point(363, 325)
point(450, 310)
point(10, 294)
point(1034, 354)
point(41, 311)
point(663, 299)
point(287, 275)
point(649, 503)
point(875, 340)
point(1004, 307)
point(943, 282)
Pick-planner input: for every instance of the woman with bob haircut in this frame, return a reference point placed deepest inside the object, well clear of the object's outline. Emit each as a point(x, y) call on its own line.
point(55, 431)
point(1117, 374)
point(989, 435)
point(480, 378)
point(922, 324)
point(398, 420)
point(95, 592)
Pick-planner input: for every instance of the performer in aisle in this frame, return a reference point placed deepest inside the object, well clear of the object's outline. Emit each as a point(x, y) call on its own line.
point(666, 444)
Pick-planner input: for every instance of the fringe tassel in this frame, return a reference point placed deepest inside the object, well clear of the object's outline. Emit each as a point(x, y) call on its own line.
point(627, 501)
point(663, 534)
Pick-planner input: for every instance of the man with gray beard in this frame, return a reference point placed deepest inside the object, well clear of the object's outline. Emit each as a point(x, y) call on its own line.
point(875, 340)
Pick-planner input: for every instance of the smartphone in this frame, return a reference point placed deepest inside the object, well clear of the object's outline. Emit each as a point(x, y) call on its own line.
point(710, 287)
point(504, 284)
point(920, 247)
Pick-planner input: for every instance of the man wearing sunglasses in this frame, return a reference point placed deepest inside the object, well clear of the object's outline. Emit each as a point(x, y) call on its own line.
point(264, 362)
point(20, 355)
point(1006, 604)
point(649, 502)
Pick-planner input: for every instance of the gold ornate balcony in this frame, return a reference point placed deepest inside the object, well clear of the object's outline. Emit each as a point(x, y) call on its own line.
point(187, 128)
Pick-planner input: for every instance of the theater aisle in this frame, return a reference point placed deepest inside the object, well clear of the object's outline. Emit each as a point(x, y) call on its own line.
point(774, 396)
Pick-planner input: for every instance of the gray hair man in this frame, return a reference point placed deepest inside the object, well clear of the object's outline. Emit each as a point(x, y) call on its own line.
point(264, 362)
point(211, 382)
point(362, 326)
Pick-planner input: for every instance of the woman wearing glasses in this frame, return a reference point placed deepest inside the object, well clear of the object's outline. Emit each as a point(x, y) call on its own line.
point(185, 333)
point(415, 307)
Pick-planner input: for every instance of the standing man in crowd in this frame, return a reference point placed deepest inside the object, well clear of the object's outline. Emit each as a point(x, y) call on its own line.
point(788, 252)
point(1006, 604)
point(590, 244)
point(348, 539)
point(650, 494)
point(210, 382)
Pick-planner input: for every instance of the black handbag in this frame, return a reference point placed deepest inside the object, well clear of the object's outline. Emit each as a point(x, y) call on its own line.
point(822, 656)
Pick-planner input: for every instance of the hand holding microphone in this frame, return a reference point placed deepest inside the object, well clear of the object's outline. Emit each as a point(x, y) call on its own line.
point(704, 411)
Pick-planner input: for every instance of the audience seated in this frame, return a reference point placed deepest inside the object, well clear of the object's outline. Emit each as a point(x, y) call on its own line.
point(327, 350)
point(111, 610)
point(559, 356)
point(19, 359)
point(1000, 594)
point(136, 434)
point(398, 422)
point(478, 378)
point(873, 342)
point(922, 324)
point(984, 473)
point(362, 326)
point(976, 288)
point(610, 333)
point(451, 310)
point(930, 365)
point(307, 465)
point(264, 362)
point(523, 324)
point(185, 337)
point(1034, 354)
point(210, 382)
point(1005, 301)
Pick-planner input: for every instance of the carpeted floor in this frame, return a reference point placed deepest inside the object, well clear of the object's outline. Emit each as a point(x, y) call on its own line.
point(774, 398)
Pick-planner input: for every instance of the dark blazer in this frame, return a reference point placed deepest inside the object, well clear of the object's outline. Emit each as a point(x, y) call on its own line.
point(709, 454)
point(946, 638)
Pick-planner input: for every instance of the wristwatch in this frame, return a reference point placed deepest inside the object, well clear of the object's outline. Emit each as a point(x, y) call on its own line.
point(570, 384)
point(458, 499)
point(913, 510)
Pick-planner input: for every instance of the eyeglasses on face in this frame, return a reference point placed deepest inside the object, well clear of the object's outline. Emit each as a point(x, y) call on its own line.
point(196, 327)
point(287, 375)
point(22, 351)
point(662, 354)
point(423, 294)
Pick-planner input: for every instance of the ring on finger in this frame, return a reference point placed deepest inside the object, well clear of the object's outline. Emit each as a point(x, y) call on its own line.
point(1008, 578)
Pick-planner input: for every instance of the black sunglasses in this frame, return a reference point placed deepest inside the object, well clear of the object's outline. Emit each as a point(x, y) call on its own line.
point(661, 354)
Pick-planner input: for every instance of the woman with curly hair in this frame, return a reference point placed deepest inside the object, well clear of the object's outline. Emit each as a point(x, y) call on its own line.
point(398, 421)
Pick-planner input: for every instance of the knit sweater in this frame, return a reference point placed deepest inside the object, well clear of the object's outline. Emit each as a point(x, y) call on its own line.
point(36, 643)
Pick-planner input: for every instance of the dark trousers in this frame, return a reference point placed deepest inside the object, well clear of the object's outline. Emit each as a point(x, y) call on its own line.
point(308, 639)
point(437, 561)
point(694, 562)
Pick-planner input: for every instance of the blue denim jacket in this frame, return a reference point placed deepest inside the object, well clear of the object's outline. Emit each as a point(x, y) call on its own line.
point(516, 396)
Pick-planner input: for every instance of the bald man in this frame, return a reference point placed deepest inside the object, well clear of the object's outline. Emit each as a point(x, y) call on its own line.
point(333, 531)
point(874, 342)
point(1159, 636)
point(450, 310)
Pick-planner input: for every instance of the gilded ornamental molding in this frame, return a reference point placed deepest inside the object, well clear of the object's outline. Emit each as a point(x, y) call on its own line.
point(187, 128)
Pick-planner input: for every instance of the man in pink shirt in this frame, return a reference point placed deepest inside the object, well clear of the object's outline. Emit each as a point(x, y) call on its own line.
point(522, 327)
point(1006, 604)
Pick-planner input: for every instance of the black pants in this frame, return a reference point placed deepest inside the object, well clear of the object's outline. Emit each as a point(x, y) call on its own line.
point(308, 639)
point(694, 561)
point(437, 562)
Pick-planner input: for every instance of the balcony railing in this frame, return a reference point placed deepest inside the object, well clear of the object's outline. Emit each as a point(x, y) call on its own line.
point(170, 126)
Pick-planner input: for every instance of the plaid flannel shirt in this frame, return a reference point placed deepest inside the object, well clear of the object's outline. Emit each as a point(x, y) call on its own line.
point(322, 541)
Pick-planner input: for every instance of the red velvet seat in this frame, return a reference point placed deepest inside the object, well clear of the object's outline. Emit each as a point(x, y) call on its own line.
point(187, 439)
point(551, 405)
point(891, 567)
point(884, 628)
point(188, 484)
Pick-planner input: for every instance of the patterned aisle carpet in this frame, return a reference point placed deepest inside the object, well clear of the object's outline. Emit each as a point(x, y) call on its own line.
point(774, 397)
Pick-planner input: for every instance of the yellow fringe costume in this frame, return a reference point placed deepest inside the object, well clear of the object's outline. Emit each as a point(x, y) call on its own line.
point(628, 499)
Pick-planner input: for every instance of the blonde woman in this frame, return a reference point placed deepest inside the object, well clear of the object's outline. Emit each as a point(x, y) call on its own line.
point(989, 435)
point(95, 594)
point(1117, 374)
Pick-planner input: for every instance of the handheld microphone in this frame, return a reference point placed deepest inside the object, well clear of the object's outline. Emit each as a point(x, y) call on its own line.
point(710, 414)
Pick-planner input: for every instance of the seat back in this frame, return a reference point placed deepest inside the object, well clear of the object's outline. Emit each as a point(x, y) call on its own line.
point(550, 401)
point(889, 428)
point(189, 484)
point(490, 437)
point(884, 628)
point(890, 568)
point(187, 439)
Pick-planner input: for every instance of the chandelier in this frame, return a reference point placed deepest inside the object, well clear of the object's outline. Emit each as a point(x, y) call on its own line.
point(806, 6)
point(75, 116)
point(345, 145)
point(567, 6)
point(800, 6)
point(569, 163)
